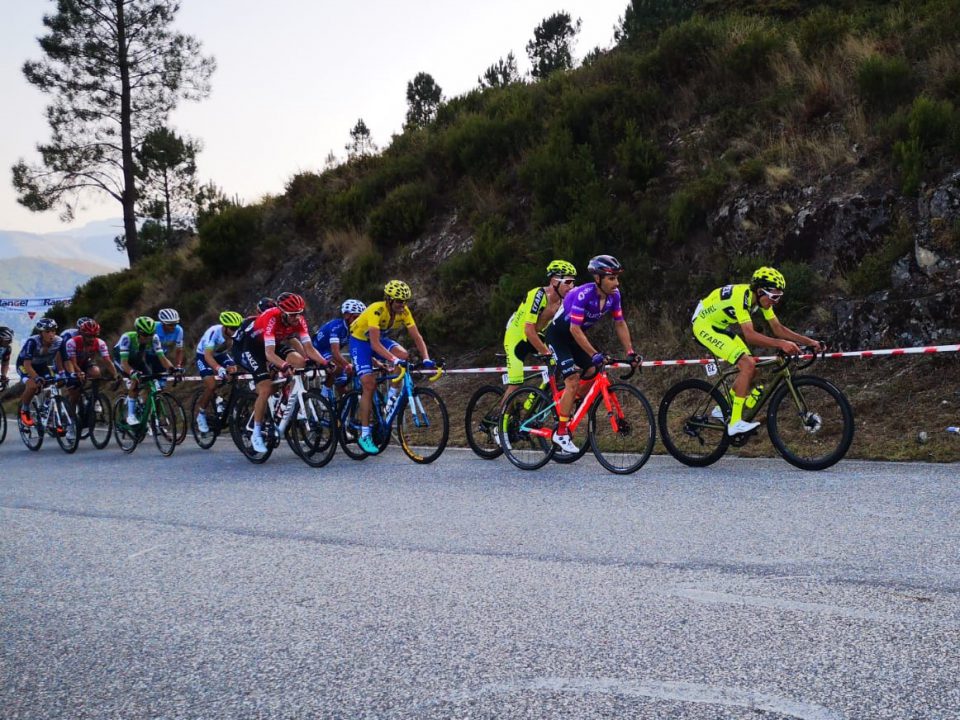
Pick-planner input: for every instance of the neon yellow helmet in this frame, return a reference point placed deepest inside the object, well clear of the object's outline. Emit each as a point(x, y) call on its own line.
point(561, 267)
point(230, 319)
point(768, 277)
point(145, 325)
point(397, 290)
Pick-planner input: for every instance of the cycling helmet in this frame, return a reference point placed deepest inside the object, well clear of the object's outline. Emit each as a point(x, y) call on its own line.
point(168, 316)
point(265, 303)
point(604, 265)
point(6, 334)
point(561, 267)
point(291, 303)
point(352, 306)
point(89, 326)
point(46, 324)
point(145, 325)
point(230, 319)
point(768, 277)
point(397, 290)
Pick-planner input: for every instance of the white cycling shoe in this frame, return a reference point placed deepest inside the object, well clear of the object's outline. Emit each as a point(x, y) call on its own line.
point(202, 423)
point(257, 443)
point(716, 413)
point(132, 419)
point(565, 443)
point(740, 427)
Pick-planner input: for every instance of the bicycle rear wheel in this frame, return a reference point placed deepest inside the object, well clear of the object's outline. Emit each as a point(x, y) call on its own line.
point(814, 430)
point(423, 426)
point(349, 434)
point(181, 416)
point(204, 439)
point(3, 425)
point(526, 428)
point(312, 435)
point(688, 427)
point(163, 423)
point(480, 421)
point(32, 435)
point(622, 435)
point(127, 436)
point(241, 429)
point(67, 432)
point(98, 420)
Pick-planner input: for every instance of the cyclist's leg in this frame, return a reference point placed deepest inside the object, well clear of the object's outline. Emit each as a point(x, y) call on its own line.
point(209, 380)
point(517, 348)
point(731, 349)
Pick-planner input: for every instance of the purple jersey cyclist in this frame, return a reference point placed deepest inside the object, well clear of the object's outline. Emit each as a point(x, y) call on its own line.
point(583, 307)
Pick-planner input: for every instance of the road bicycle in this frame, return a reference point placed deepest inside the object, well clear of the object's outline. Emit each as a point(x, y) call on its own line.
point(219, 409)
point(156, 415)
point(304, 417)
point(52, 415)
point(420, 416)
point(809, 419)
point(621, 429)
point(93, 415)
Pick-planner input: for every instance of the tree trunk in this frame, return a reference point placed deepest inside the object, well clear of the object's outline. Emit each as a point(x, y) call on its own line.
point(134, 251)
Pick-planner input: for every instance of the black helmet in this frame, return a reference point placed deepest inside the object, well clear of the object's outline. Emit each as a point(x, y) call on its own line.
point(604, 265)
point(265, 303)
point(6, 334)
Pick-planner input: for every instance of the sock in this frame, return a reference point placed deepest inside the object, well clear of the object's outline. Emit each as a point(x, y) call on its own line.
point(736, 414)
point(256, 428)
point(202, 412)
point(364, 431)
point(562, 427)
point(131, 406)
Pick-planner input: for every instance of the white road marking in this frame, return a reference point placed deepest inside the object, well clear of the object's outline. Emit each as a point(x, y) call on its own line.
point(144, 552)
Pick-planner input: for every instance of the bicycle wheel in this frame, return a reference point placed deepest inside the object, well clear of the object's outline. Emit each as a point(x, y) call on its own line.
point(98, 421)
point(32, 435)
point(204, 439)
point(815, 432)
point(180, 414)
point(3, 425)
point(67, 431)
point(241, 429)
point(82, 413)
point(688, 426)
point(163, 424)
point(480, 421)
point(349, 434)
point(526, 428)
point(423, 426)
point(127, 436)
point(622, 435)
point(312, 435)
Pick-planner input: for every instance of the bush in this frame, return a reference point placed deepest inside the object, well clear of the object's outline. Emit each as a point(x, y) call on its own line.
point(558, 174)
point(364, 276)
point(403, 214)
point(686, 49)
point(690, 204)
point(639, 159)
point(885, 82)
point(931, 127)
point(821, 30)
point(751, 58)
point(803, 290)
point(478, 145)
point(873, 272)
point(908, 159)
point(228, 240)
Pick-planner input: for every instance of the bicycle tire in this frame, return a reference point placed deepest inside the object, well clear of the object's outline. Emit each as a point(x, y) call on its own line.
point(480, 421)
point(3, 425)
point(636, 432)
point(68, 435)
point(82, 414)
point(686, 424)
point(32, 435)
point(99, 421)
point(163, 424)
point(524, 450)
point(420, 438)
point(818, 425)
point(312, 435)
point(349, 435)
point(127, 437)
point(241, 428)
point(183, 423)
point(204, 440)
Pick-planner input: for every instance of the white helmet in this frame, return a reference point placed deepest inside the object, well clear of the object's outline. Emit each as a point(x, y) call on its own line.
point(352, 306)
point(168, 315)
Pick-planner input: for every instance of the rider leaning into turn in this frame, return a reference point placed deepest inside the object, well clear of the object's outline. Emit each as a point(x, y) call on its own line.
point(86, 355)
point(35, 363)
point(331, 342)
point(130, 358)
point(214, 361)
point(582, 308)
point(720, 313)
point(6, 337)
point(369, 336)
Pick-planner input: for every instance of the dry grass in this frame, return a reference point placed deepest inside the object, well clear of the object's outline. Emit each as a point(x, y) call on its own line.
point(346, 244)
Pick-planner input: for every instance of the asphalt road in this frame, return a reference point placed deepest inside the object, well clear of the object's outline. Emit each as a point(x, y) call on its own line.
point(202, 586)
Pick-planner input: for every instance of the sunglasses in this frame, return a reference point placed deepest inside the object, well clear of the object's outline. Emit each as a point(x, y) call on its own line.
point(774, 295)
point(293, 314)
point(568, 281)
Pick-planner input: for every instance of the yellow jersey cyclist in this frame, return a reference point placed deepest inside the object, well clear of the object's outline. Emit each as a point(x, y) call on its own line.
point(717, 318)
point(370, 335)
point(526, 326)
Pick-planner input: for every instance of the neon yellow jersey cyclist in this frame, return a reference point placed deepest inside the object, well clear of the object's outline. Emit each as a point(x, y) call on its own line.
point(728, 309)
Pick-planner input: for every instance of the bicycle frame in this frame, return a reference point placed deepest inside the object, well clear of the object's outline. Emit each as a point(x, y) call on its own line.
point(781, 375)
point(599, 386)
point(49, 392)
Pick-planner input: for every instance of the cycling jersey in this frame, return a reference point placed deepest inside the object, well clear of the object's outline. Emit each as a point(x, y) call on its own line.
point(581, 306)
point(169, 341)
point(65, 336)
point(82, 350)
point(515, 342)
point(718, 312)
point(39, 356)
point(334, 332)
point(129, 345)
point(214, 340)
point(269, 329)
point(378, 315)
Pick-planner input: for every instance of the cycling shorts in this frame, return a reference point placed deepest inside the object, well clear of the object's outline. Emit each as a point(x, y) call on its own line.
point(517, 350)
point(339, 379)
point(571, 358)
point(362, 354)
point(727, 347)
point(46, 372)
point(207, 371)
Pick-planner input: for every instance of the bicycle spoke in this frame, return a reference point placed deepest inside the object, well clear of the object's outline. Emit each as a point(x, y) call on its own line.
point(816, 433)
point(423, 426)
point(692, 420)
point(526, 427)
point(622, 435)
point(480, 421)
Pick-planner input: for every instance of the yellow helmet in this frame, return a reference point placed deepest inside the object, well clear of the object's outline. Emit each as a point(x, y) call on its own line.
point(561, 267)
point(397, 290)
point(230, 319)
point(768, 277)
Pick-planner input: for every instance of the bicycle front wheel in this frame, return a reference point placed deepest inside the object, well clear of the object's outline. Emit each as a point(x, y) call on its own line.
point(811, 428)
point(127, 436)
point(67, 431)
point(204, 439)
point(312, 435)
point(3, 425)
point(622, 434)
point(241, 429)
point(164, 424)
point(526, 428)
point(99, 423)
point(180, 414)
point(32, 435)
point(349, 434)
point(693, 423)
point(423, 426)
point(480, 421)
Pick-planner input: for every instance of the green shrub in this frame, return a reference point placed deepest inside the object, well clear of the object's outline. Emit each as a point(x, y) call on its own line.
point(873, 272)
point(821, 30)
point(559, 174)
point(933, 122)
point(885, 82)
point(490, 253)
point(192, 304)
point(364, 277)
point(128, 292)
point(686, 49)
point(803, 290)
point(751, 58)
point(228, 240)
point(908, 159)
point(639, 159)
point(752, 171)
point(403, 213)
point(111, 320)
point(690, 204)
point(478, 145)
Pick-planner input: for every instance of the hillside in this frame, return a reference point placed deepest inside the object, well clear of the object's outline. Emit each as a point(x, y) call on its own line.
point(92, 243)
point(824, 140)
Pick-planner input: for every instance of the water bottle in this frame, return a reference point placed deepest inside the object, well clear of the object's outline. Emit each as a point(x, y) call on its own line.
point(220, 406)
point(953, 430)
point(392, 396)
point(754, 397)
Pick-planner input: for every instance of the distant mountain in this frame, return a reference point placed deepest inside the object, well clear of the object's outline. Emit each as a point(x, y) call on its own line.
point(92, 243)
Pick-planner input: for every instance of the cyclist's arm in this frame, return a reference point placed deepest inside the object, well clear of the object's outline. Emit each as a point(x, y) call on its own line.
point(752, 337)
point(533, 337)
point(377, 346)
point(338, 359)
point(178, 356)
point(782, 331)
point(623, 334)
point(312, 353)
point(577, 333)
point(58, 362)
point(419, 342)
point(208, 356)
point(31, 373)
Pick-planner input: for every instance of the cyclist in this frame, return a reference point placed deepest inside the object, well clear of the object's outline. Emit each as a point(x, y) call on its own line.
point(331, 340)
point(6, 337)
point(529, 321)
point(260, 347)
point(714, 325)
point(85, 352)
point(583, 307)
point(170, 334)
point(38, 357)
point(370, 336)
point(214, 361)
point(130, 358)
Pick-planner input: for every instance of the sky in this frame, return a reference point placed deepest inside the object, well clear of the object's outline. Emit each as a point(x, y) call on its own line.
point(293, 77)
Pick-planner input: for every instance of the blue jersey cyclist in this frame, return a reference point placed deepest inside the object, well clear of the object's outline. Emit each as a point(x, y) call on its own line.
point(6, 337)
point(214, 360)
point(170, 334)
point(331, 341)
point(576, 356)
point(37, 362)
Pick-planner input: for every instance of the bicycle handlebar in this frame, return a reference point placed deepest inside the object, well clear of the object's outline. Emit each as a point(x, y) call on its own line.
point(634, 366)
